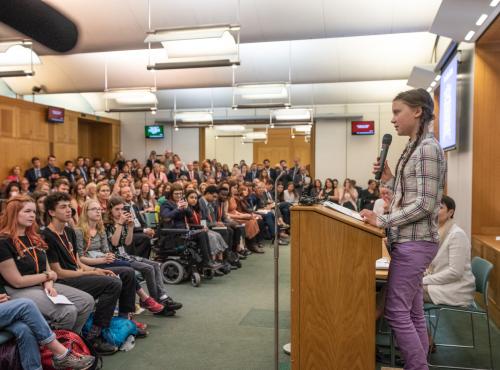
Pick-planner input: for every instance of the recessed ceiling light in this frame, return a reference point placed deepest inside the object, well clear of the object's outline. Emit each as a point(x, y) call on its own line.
point(494, 3)
point(481, 19)
point(469, 35)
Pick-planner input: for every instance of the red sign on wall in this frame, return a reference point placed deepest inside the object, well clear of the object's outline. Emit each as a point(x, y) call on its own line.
point(363, 127)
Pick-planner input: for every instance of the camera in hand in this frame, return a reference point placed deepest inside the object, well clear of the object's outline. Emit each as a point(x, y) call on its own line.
point(126, 208)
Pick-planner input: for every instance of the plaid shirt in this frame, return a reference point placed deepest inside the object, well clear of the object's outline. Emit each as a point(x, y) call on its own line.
point(414, 215)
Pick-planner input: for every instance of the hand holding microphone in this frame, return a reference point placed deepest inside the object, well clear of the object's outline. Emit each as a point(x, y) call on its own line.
point(381, 168)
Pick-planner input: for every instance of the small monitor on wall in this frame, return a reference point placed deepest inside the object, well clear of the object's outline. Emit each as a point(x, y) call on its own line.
point(55, 115)
point(448, 105)
point(154, 132)
point(363, 127)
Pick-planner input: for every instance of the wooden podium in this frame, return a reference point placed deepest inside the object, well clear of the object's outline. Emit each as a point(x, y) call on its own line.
point(332, 290)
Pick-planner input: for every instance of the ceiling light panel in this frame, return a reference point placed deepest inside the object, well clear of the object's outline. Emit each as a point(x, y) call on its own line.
point(12, 54)
point(262, 91)
point(194, 116)
point(292, 114)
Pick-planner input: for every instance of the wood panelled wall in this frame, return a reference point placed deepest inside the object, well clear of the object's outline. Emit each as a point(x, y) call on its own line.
point(486, 159)
point(24, 133)
point(486, 148)
point(280, 145)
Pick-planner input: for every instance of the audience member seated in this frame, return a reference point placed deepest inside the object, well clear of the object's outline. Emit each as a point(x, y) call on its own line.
point(102, 284)
point(119, 231)
point(449, 279)
point(348, 196)
point(34, 173)
point(381, 205)
point(290, 195)
point(25, 272)
point(142, 235)
point(51, 172)
point(316, 189)
point(174, 212)
point(22, 318)
point(69, 172)
point(369, 196)
point(330, 192)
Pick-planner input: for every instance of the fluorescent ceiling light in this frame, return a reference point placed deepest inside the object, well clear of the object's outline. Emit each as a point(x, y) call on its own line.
point(256, 135)
point(194, 116)
point(438, 77)
point(230, 128)
point(429, 89)
point(292, 114)
point(469, 35)
point(262, 91)
point(196, 42)
point(303, 128)
point(481, 19)
point(433, 83)
point(17, 55)
point(494, 3)
point(132, 97)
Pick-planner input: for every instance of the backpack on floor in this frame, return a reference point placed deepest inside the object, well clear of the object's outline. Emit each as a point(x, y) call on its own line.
point(118, 331)
point(74, 342)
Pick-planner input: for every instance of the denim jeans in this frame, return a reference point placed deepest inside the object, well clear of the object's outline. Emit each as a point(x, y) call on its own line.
point(22, 318)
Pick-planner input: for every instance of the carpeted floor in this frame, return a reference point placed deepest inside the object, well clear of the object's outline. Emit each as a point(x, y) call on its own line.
point(227, 324)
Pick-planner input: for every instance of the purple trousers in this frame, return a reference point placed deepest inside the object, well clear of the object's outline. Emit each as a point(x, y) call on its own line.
point(404, 306)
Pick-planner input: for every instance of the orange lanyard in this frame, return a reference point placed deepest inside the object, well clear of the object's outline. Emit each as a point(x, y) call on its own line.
point(69, 247)
point(31, 252)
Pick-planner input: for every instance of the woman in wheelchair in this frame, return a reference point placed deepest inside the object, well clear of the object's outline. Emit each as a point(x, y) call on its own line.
point(215, 240)
point(100, 247)
point(173, 214)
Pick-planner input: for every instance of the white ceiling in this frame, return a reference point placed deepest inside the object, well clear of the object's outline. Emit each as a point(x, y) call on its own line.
point(338, 51)
point(122, 24)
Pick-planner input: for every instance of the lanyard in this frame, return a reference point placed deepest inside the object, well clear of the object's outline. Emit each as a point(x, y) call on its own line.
point(68, 247)
point(31, 252)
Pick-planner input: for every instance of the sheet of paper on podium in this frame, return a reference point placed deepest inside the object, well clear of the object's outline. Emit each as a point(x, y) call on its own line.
point(344, 210)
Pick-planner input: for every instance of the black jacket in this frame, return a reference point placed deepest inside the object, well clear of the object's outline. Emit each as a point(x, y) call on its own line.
point(172, 216)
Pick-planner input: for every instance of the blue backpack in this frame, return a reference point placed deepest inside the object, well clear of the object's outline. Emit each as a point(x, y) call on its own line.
point(118, 331)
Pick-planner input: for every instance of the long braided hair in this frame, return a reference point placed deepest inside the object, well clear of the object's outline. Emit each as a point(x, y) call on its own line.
point(414, 98)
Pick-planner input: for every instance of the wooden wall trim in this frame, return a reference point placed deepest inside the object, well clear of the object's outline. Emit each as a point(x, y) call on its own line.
point(202, 145)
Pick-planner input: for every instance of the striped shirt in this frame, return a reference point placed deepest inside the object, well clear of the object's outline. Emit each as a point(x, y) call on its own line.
point(413, 212)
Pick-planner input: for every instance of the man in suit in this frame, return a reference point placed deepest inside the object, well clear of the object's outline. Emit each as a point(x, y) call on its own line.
point(141, 245)
point(267, 166)
point(34, 173)
point(175, 173)
point(294, 171)
point(302, 181)
point(207, 211)
point(80, 166)
point(69, 172)
point(252, 174)
point(192, 174)
point(51, 171)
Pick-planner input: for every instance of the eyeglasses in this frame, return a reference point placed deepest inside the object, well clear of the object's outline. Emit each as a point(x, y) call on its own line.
point(95, 209)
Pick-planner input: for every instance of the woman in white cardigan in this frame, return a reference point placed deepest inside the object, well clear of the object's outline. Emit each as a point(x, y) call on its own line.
point(449, 278)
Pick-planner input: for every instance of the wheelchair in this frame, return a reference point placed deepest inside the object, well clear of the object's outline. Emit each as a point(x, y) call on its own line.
point(179, 257)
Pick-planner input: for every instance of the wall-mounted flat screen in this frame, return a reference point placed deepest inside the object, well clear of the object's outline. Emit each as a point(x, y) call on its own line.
point(362, 127)
point(55, 115)
point(154, 132)
point(448, 105)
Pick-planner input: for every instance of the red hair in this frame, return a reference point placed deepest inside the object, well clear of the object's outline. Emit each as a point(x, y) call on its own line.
point(8, 224)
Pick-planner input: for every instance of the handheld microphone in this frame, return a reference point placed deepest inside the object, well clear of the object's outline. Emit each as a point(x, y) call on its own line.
point(386, 142)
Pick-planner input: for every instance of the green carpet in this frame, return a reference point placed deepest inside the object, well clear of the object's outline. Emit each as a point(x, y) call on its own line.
point(227, 324)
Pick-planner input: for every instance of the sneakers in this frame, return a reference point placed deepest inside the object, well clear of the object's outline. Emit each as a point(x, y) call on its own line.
point(213, 265)
point(171, 305)
point(102, 347)
point(166, 312)
point(74, 361)
point(141, 329)
point(151, 305)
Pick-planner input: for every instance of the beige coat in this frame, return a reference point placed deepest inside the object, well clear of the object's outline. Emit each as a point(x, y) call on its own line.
point(449, 279)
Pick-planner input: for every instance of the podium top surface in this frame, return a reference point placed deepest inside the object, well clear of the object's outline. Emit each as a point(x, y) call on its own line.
point(328, 212)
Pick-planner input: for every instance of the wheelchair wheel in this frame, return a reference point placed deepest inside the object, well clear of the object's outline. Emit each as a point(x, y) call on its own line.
point(172, 272)
point(195, 279)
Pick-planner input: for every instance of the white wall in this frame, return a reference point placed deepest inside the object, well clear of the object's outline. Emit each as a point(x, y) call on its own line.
point(340, 154)
point(5, 90)
point(74, 102)
point(184, 142)
point(227, 150)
